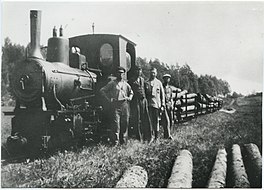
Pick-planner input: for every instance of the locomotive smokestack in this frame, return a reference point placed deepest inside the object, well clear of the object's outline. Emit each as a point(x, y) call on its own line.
point(35, 25)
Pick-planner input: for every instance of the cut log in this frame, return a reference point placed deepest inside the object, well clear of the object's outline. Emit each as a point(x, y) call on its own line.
point(181, 175)
point(190, 113)
point(190, 101)
point(191, 95)
point(202, 105)
point(175, 91)
point(208, 97)
point(180, 94)
point(253, 164)
point(240, 178)
point(218, 174)
point(191, 107)
point(134, 177)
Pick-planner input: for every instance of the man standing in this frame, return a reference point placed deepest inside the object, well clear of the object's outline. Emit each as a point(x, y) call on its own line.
point(140, 119)
point(156, 102)
point(169, 90)
point(118, 92)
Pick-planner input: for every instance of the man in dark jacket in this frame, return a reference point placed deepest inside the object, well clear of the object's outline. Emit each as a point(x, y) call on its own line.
point(140, 120)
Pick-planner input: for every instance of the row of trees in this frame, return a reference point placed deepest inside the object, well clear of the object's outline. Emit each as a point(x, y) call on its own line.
point(182, 76)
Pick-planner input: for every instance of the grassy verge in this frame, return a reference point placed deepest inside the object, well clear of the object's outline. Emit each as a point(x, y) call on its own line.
point(102, 166)
point(5, 124)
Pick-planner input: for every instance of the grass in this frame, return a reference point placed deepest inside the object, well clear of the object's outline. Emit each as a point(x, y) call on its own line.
point(102, 166)
point(5, 124)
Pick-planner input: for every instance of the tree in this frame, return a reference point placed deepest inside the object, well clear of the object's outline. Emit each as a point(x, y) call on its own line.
point(184, 78)
point(236, 95)
point(12, 54)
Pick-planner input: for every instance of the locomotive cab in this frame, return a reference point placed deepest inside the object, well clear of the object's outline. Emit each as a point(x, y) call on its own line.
point(104, 52)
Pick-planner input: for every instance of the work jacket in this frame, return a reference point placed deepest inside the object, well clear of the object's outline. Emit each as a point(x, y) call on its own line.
point(155, 93)
point(117, 90)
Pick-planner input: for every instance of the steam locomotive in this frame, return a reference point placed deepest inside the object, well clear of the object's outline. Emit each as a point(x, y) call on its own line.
point(57, 99)
point(58, 103)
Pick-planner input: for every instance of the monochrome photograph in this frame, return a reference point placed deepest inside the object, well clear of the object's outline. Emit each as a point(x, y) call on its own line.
point(131, 94)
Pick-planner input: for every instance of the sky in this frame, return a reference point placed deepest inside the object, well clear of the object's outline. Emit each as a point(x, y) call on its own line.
point(219, 38)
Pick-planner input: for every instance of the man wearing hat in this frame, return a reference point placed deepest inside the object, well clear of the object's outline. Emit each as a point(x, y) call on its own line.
point(140, 120)
point(169, 90)
point(118, 92)
point(156, 102)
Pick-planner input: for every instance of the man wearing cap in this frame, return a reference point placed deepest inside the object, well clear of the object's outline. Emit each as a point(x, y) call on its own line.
point(169, 90)
point(118, 92)
point(156, 101)
point(140, 120)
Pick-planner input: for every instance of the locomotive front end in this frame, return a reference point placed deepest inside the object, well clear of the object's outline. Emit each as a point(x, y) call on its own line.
point(53, 83)
point(54, 101)
point(39, 84)
point(27, 80)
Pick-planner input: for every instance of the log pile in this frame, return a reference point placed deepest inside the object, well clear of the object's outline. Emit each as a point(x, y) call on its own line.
point(181, 174)
point(245, 171)
point(188, 105)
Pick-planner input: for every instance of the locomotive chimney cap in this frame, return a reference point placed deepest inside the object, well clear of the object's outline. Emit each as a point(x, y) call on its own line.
point(35, 28)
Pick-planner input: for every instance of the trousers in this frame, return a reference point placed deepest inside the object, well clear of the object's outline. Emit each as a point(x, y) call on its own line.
point(165, 122)
point(170, 115)
point(120, 121)
point(140, 119)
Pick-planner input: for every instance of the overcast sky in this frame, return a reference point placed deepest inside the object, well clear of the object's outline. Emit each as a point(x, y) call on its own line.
point(224, 39)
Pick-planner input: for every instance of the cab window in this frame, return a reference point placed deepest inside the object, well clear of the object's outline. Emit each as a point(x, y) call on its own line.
point(128, 61)
point(106, 55)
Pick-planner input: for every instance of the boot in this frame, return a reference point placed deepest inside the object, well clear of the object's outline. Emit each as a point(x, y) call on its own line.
point(115, 139)
point(152, 137)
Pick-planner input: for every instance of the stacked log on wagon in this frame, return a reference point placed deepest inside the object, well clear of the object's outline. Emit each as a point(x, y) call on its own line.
point(188, 105)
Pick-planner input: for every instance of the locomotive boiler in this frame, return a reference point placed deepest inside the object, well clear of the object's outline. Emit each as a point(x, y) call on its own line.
point(57, 99)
